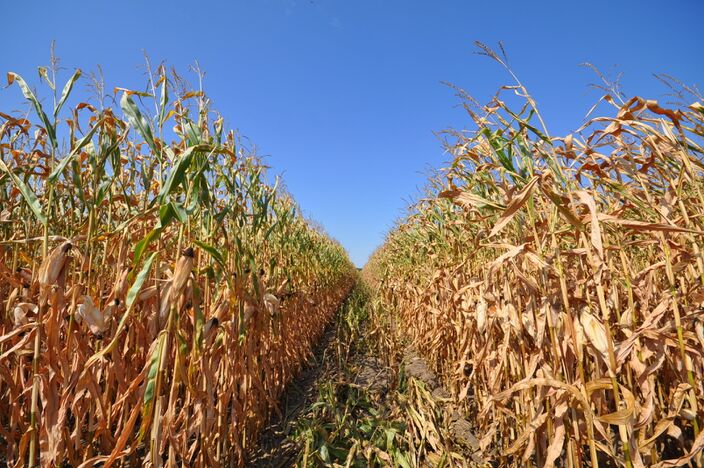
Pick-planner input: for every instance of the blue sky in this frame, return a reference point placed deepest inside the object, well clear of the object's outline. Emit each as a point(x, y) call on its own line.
point(344, 96)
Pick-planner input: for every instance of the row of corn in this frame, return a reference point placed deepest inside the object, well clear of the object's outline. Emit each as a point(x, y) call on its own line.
point(557, 284)
point(157, 290)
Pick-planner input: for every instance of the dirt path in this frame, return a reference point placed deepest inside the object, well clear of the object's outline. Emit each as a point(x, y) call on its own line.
point(276, 447)
point(352, 407)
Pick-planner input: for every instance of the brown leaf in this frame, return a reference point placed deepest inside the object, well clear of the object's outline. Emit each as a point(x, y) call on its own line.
point(514, 205)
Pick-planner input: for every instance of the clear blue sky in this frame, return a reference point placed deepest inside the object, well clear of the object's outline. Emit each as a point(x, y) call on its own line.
point(345, 95)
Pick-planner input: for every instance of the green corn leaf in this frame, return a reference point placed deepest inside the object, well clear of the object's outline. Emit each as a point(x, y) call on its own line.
point(163, 101)
point(138, 121)
point(139, 281)
point(142, 245)
point(67, 90)
point(154, 367)
point(270, 230)
point(193, 133)
point(152, 377)
point(166, 214)
point(131, 296)
point(198, 327)
point(170, 211)
point(182, 344)
point(29, 95)
point(213, 252)
point(103, 190)
point(200, 184)
point(27, 193)
point(204, 197)
point(53, 177)
point(177, 174)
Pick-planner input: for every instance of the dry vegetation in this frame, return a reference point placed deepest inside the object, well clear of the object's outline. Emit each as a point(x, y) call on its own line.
point(156, 296)
point(557, 284)
point(158, 293)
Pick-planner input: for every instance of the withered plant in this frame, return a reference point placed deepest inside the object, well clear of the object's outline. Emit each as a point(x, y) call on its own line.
point(558, 283)
point(158, 291)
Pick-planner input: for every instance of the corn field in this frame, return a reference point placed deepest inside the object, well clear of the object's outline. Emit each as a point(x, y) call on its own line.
point(158, 291)
point(557, 283)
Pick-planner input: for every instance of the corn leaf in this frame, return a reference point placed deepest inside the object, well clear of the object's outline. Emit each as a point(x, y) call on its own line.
point(27, 193)
point(516, 203)
point(131, 296)
point(66, 91)
point(53, 177)
point(138, 121)
point(29, 95)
